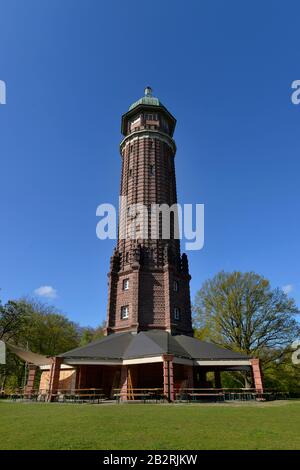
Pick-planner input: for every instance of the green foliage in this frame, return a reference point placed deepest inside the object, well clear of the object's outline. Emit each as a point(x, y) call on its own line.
point(12, 373)
point(41, 328)
point(240, 311)
point(86, 336)
point(89, 334)
point(12, 320)
point(282, 375)
point(47, 331)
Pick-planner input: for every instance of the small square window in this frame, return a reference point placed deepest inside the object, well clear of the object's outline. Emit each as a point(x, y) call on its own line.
point(176, 313)
point(151, 169)
point(124, 312)
point(175, 286)
point(125, 284)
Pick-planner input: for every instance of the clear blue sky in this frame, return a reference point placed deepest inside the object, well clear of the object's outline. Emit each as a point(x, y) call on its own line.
point(223, 68)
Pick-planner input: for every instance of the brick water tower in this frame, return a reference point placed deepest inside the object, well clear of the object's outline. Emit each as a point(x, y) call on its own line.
point(149, 278)
point(153, 353)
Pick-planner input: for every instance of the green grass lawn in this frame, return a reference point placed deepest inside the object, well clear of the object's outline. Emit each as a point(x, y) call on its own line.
point(274, 425)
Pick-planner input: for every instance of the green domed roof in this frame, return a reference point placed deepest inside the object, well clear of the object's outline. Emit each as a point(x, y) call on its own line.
point(151, 101)
point(148, 99)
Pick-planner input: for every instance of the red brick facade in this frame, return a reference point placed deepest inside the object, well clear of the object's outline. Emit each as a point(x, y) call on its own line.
point(154, 271)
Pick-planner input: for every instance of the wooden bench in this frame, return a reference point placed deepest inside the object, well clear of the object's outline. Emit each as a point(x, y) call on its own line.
point(30, 396)
point(80, 397)
point(218, 397)
point(156, 396)
point(143, 396)
point(92, 397)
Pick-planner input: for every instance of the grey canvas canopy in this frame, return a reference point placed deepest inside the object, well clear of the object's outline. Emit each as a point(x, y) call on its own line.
point(28, 356)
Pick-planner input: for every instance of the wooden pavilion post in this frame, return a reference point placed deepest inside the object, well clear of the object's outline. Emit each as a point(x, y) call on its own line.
point(257, 375)
point(29, 387)
point(168, 377)
point(54, 377)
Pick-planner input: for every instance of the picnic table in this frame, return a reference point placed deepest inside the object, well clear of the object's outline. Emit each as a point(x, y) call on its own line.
point(80, 395)
point(217, 397)
point(193, 394)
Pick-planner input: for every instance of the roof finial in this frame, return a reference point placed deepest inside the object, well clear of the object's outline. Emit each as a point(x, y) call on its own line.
point(148, 91)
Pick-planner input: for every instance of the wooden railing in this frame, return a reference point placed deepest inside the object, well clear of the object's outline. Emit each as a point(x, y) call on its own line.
point(227, 394)
point(61, 395)
point(95, 395)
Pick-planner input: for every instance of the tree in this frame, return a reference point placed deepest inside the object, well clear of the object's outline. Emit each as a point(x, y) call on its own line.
point(12, 320)
point(37, 326)
point(46, 330)
point(89, 334)
point(41, 328)
point(240, 311)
